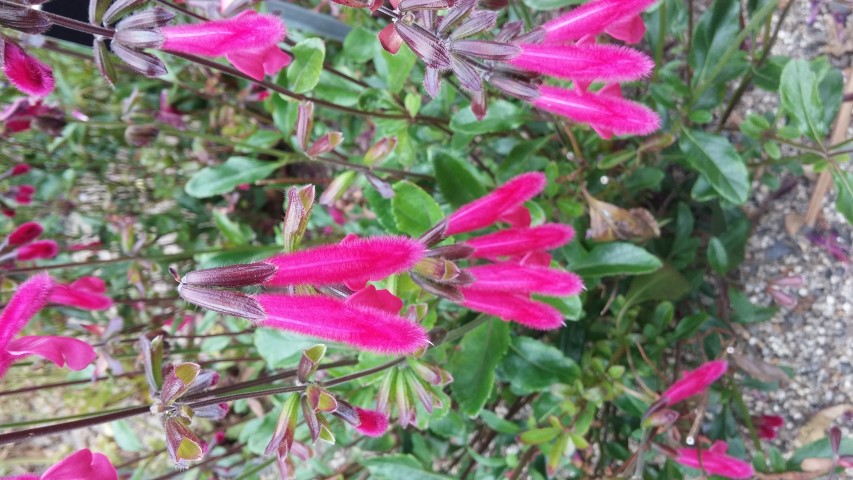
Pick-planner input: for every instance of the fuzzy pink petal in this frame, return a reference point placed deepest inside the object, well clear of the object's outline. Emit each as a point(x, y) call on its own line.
point(365, 328)
point(373, 423)
point(357, 260)
point(383, 300)
point(257, 63)
point(611, 63)
point(695, 382)
point(30, 297)
point(25, 233)
point(512, 306)
point(81, 298)
point(629, 31)
point(509, 277)
point(38, 249)
point(488, 209)
point(82, 464)
point(26, 73)
point(245, 32)
point(604, 112)
point(77, 354)
point(714, 462)
point(592, 18)
point(518, 241)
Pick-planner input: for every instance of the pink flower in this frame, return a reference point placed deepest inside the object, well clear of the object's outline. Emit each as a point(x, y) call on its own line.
point(617, 17)
point(86, 293)
point(359, 259)
point(609, 63)
point(714, 461)
point(519, 241)
point(82, 464)
point(25, 233)
point(373, 423)
point(487, 210)
point(30, 297)
point(369, 296)
point(694, 382)
point(607, 114)
point(362, 327)
point(20, 169)
point(249, 41)
point(37, 250)
point(26, 73)
point(768, 425)
point(513, 306)
point(510, 277)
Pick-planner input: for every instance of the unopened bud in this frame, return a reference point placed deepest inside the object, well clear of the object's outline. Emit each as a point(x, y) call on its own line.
point(309, 362)
point(380, 151)
point(304, 123)
point(240, 275)
point(20, 169)
point(325, 144)
point(661, 418)
point(223, 301)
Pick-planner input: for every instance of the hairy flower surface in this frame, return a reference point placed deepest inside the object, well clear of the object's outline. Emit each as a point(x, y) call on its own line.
point(695, 382)
point(487, 210)
point(611, 16)
point(714, 461)
point(609, 63)
point(27, 74)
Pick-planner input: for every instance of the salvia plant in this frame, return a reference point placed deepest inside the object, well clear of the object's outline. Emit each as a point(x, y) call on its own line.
point(414, 239)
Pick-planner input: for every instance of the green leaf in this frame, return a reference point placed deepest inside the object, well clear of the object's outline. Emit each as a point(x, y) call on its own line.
point(498, 424)
point(819, 449)
point(280, 349)
point(617, 258)
point(492, 462)
point(337, 90)
point(718, 161)
point(394, 69)
point(210, 181)
point(414, 210)
point(844, 201)
point(743, 311)
point(798, 90)
point(664, 284)
point(550, 4)
point(382, 208)
point(502, 116)
point(456, 179)
point(717, 256)
point(714, 33)
point(689, 325)
point(303, 73)
point(539, 436)
point(396, 467)
point(358, 46)
point(235, 233)
point(412, 103)
point(473, 365)
point(532, 366)
point(125, 437)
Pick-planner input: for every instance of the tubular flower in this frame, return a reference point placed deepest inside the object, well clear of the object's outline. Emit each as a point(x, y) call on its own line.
point(352, 260)
point(80, 464)
point(768, 425)
point(584, 62)
point(26, 73)
point(487, 210)
point(249, 41)
point(619, 18)
point(86, 293)
point(30, 297)
point(694, 382)
point(25, 233)
point(714, 461)
point(37, 250)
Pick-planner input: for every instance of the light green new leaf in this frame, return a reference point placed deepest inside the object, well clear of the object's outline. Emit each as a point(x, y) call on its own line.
point(304, 73)
point(210, 181)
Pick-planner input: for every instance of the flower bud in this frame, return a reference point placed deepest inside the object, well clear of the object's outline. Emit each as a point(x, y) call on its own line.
point(25, 233)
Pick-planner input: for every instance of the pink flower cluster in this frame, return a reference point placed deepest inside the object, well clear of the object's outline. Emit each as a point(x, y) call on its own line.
point(21, 245)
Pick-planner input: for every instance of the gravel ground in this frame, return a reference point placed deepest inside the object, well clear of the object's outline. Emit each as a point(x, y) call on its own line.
point(815, 337)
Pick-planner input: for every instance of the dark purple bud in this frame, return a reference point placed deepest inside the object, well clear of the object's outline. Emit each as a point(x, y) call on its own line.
point(212, 412)
point(310, 419)
point(223, 301)
point(304, 123)
point(140, 135)
point(23, 19)
point(451, 252)
point(139, 38)
point(381, 186)
point(534, 36)
point(240, 275)
point(426, 46)
point(835, 439)
point(469, 77)
point(509, 31)
point(440, 290)
point(146, 64)
point(347, 413)
point(485, 49)
point(432, 81)
point(434, 234)
point(477, 22)
point(406, 5)
point(478, 104)
point(380, 150)
point(146, 19)
point(459, 10)
point(120, 8)
point(515, 87)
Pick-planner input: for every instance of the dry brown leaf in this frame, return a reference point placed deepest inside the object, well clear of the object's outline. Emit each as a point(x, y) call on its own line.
point(816, 427)
point(607, 222)
point(819, 465)
point(759, 369)
point(793, 223)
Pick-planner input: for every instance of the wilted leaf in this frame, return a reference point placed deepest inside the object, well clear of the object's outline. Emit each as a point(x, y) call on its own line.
point(609, 222)
point(816, 427)
point(759, 369)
